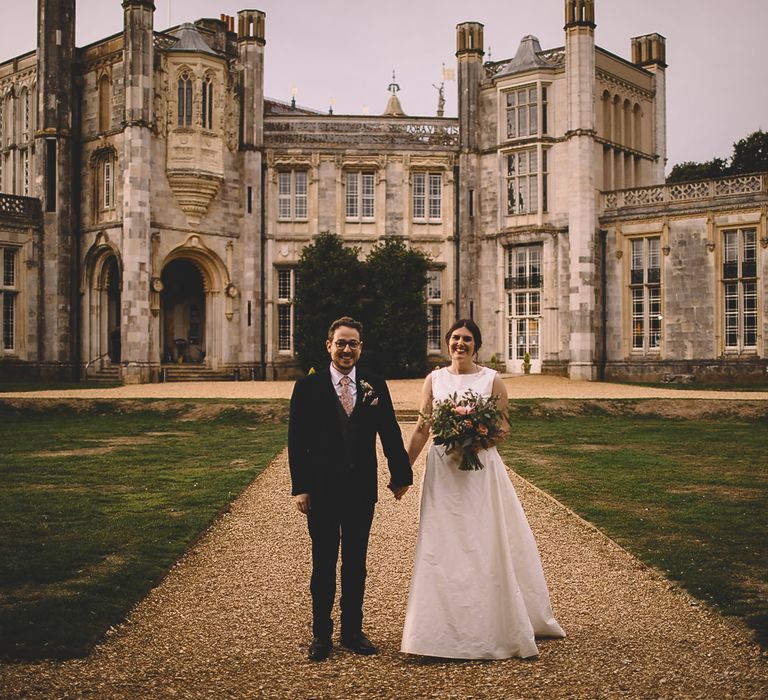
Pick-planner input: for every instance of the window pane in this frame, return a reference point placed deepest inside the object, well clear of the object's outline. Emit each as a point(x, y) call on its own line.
point(284, 284)
point(9, 268)
point(434, 326)
point(352, 194)
point(9, 320)
point(368, 185)
point(284, 195)
point(418, 195)
point(434, 290)
point(301, 194)
point(283, 327)
point(435, 196)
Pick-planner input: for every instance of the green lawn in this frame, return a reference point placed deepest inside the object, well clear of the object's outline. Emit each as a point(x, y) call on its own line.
point(96, 505)
point(687, 496)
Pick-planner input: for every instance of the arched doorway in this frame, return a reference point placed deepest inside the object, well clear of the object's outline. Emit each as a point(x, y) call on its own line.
point(112, 289)
point(182, 308)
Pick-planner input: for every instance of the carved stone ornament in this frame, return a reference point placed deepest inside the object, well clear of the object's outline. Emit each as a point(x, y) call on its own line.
point(194, 192)
point(232, 290)
point(157, 284)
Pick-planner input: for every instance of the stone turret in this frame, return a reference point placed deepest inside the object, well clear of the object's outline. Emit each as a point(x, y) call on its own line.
point(57, 341)
point(250, 42)
point(582, 211)
point(650, 52)
point(469, 58)
point(138, 341)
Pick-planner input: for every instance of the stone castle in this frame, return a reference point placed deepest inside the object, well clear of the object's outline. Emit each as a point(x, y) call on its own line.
point(155, 204)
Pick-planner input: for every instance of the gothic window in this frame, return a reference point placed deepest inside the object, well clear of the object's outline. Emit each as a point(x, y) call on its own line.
point(527, 111)
point(636, 128)
point(292, 195)
point(740, 289)
point(524, 282)
point(286, 309)
point(645, 293)
point(25, 115)
point(526, 180)
point(434, 294)
point(2, 121)
point(427, 191)
point(207, 102)
point(104, 171)
point(360, 196)
point(184, 100)
point(105, 103)
point(627, 114)
point(8, 294)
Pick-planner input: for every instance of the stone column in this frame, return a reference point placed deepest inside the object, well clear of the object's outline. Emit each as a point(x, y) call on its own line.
point(582, 215)
point(469, 55)
point(250, 42)
point(57, 334)
point(137, 338)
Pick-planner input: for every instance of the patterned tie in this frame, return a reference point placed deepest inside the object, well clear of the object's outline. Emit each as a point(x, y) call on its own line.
point(346, 395)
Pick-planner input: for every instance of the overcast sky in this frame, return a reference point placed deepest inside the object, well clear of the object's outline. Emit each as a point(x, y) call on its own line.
point(346, 50)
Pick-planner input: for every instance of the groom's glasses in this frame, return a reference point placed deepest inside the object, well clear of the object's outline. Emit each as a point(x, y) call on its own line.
point(353, 344)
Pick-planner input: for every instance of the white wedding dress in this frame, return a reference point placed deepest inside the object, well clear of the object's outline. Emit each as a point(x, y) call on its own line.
point(478, 589)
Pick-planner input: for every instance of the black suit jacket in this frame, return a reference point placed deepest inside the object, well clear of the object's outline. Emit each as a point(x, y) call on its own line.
point(315, 443)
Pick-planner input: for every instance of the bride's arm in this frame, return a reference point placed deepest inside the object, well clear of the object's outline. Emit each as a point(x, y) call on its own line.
point(420, 434)
point(502, 403)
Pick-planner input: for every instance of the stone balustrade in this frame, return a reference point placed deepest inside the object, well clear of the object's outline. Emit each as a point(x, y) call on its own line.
point(696, 191)
point(19, 209)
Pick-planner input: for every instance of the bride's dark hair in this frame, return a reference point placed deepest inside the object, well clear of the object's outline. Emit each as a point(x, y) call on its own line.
point(471, 326)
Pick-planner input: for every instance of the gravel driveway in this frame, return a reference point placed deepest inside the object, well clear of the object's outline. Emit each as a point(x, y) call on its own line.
point(231, 619)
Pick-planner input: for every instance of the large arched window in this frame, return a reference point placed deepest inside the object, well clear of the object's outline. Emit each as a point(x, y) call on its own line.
point(105, 103)
point(184, 102)
point(207, 102)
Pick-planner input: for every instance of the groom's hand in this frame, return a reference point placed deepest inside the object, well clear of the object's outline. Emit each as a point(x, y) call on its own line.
point(302, 502)
point(399, 491)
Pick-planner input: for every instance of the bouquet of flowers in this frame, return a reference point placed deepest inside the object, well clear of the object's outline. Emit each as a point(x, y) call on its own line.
point(469, 423)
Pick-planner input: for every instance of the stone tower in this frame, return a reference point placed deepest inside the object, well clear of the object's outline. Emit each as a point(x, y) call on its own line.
point(250, 43)
point(469, 55)
point(582, 215)
point(57, 344)
point(137, 330)
point(649, 52)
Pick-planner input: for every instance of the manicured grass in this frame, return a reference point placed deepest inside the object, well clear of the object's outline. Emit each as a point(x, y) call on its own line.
point(97, 504)
point(689, 496)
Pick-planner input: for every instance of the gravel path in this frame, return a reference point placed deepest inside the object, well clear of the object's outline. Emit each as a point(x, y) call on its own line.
point(231, 620)
point(405, 392)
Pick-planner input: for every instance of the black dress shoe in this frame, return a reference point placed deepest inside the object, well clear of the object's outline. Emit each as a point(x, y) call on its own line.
point(359, 644)
point(319, 649)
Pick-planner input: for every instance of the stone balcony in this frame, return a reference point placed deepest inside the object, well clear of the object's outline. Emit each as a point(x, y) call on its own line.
point(682, 196)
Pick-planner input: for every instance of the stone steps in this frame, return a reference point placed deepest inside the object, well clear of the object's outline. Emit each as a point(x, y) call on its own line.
point(195, 373)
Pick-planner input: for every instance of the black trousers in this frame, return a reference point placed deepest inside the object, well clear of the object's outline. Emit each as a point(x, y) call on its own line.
point(346, 522)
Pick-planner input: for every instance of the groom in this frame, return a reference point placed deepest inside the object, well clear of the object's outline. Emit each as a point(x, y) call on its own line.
point(335, 416)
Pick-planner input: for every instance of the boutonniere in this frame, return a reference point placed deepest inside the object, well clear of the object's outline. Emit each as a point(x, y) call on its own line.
point(369, 395)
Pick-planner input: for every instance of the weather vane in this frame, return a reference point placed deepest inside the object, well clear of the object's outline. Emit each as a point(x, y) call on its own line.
point(393, 86)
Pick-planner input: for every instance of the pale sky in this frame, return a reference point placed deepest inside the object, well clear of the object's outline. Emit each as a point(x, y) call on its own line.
point(346, 50)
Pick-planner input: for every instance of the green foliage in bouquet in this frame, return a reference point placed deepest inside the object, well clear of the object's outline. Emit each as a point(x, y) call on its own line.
point(470, 423)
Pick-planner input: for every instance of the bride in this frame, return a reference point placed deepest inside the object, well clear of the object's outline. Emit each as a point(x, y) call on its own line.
point(478, 589)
